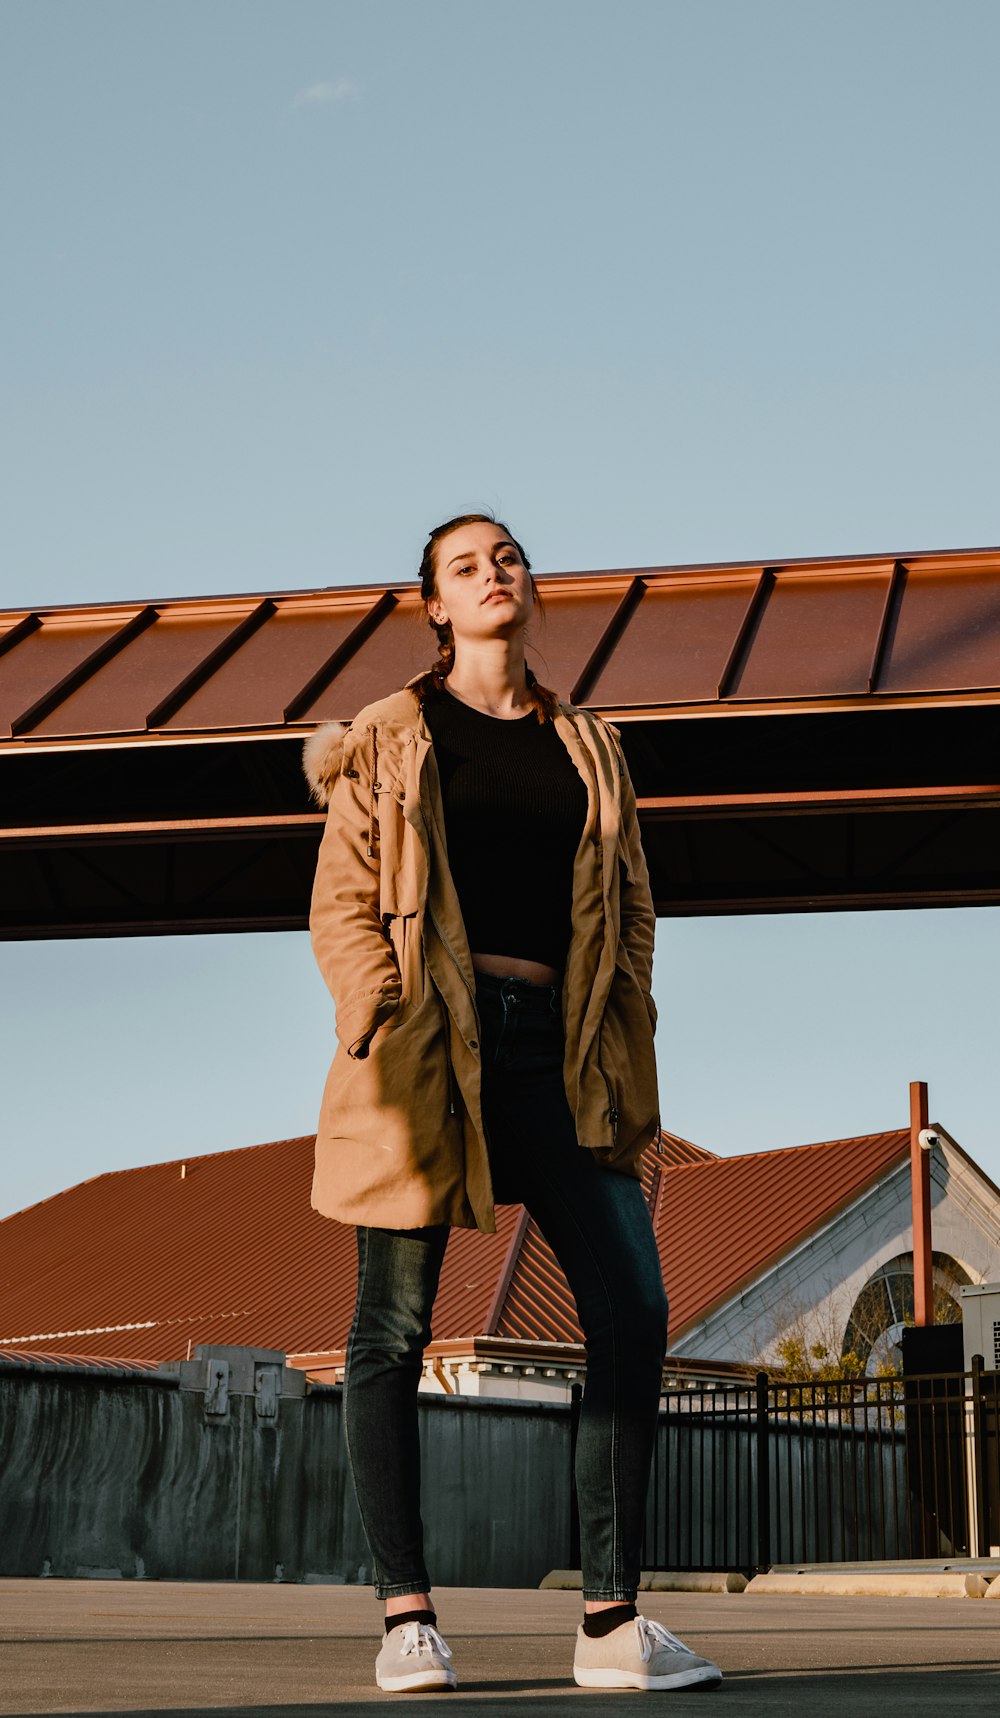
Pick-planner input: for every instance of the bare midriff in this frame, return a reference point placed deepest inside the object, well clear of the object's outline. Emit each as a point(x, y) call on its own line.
point(510, 966)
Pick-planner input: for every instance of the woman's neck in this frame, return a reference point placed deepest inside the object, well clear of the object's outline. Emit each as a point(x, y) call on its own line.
point(490, 675)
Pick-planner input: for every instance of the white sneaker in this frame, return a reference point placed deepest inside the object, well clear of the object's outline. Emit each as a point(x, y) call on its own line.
point(640, 1654)
point(413, 1655)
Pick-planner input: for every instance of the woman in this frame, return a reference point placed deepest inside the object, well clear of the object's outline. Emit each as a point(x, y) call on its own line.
point(482, 916)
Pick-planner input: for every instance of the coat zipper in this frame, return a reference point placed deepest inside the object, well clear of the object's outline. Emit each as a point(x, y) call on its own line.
point(446, 1023)
point(454, 957)
point(444, 1007)
point(451, 952)
point(374, 786)
point(613, 1113)
point(612, 1109)
point(446, 1018)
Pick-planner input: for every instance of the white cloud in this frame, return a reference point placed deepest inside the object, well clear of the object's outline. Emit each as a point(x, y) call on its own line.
point(323, 94)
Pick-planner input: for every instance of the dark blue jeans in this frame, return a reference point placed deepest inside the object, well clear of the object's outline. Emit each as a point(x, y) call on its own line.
point(597, 1223)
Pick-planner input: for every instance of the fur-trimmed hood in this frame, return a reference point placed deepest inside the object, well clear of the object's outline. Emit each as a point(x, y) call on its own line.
point(322, 757)
point(391, 718)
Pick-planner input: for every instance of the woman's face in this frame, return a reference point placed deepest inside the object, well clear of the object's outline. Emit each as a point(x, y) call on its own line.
point(483, 586)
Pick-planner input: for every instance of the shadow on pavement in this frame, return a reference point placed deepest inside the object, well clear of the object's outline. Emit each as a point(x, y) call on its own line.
point(822, 1693)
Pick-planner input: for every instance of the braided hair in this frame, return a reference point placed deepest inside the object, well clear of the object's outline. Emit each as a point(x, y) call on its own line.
point(545, 702)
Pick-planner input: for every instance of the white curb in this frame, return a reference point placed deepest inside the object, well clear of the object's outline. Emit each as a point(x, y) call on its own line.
point(666, 1581)
point(907, 1584)
point(654, 1581)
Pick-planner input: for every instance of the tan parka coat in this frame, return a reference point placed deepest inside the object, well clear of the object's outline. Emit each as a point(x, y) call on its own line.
point(400, 1142)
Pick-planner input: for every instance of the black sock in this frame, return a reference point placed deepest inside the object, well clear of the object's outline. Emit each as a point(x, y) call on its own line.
point(599, 1623)
point(393, 1622)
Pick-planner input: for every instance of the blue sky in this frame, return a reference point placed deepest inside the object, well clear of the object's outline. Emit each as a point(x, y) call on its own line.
point(286, 283)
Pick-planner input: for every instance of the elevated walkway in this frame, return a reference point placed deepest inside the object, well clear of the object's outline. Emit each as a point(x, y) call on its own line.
point(803, 737)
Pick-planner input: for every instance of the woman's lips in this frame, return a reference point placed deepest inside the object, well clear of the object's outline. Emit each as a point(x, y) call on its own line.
point(498, 596)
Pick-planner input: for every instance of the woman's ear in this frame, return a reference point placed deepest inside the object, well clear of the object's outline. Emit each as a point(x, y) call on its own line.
point(437, 614)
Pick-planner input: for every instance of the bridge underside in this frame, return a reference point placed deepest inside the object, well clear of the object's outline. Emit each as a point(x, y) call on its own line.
point(803, 738)
point(781, 812)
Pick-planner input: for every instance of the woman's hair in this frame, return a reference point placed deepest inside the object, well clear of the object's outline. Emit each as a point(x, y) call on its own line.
point(545, 702)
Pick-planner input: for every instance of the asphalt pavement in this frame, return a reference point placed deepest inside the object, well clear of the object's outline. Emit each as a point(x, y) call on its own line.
point(165, 1647)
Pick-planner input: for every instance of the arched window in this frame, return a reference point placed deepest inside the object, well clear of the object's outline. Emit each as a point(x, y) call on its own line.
point(885, 1306)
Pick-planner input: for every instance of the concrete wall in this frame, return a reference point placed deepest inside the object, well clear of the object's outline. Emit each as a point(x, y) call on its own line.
point(135, 1475)
point(232, 1470)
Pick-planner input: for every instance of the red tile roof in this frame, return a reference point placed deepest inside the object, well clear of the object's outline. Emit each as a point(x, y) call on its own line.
point(142, 1264)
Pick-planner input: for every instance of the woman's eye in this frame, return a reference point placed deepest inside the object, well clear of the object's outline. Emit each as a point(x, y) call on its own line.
point(460, 570)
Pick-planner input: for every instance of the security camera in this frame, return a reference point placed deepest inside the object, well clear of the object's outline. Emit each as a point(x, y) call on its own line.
point(928, 1139)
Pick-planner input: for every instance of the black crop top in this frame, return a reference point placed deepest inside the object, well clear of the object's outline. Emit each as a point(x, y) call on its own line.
point(515, 805)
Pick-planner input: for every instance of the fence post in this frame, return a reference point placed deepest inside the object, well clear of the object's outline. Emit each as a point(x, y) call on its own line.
point(981, 1500)
point(575, 1398)
point(763, 1478)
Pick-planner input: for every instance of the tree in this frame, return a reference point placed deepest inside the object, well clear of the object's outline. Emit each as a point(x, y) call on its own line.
point(805, 1345)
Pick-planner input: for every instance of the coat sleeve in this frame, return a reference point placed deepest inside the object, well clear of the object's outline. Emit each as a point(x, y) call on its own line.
point(638, 916)
point(349, 940)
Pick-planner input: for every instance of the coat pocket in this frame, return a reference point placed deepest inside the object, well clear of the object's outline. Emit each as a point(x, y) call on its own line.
point(397, 1097)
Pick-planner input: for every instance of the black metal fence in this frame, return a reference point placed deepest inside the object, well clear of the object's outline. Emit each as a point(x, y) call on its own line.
point(869, 1469)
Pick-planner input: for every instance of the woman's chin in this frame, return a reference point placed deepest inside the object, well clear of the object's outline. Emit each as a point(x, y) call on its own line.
point(502, 620)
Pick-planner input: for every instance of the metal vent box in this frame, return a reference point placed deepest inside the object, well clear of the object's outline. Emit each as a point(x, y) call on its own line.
point(981, 1324)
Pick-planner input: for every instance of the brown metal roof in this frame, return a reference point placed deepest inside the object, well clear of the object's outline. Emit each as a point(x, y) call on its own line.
point(752, 1210)
point(143, 1264)
point(851, 629)
point(536, 1303)
point(13, 1359)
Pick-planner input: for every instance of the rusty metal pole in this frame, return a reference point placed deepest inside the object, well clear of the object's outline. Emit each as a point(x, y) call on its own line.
point(920, 1186)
